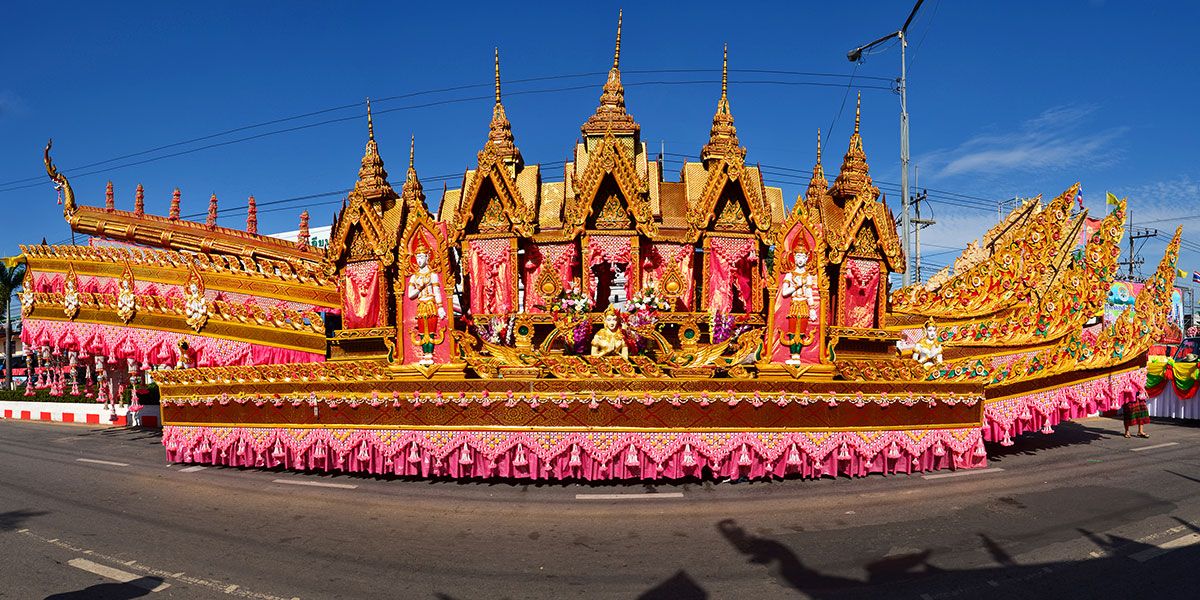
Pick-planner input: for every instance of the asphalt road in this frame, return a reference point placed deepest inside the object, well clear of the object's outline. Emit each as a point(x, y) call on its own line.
point(1082, 513)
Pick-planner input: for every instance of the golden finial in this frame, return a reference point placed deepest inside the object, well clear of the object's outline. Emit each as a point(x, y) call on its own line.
point(412, 151)
point(617, 53)
point(497, 75)
point(858, 111)
point(818, 146)
point(370, 122)
point(725, 71)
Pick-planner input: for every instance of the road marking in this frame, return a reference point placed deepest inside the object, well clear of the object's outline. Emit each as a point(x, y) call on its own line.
point(102, 462)
point(343, 486)
point(962, 473)
point(117, 575)
point(1161, 549)
point(161, 574)
point(656, 496)
point(1154, 447)
point(192, 469)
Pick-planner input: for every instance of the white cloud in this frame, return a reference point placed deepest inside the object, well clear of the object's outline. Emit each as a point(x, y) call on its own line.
point(1053, 139)
point(11, 104)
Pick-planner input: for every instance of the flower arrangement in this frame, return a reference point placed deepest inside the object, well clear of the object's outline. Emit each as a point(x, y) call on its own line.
point(497, 330)
point(647, 299)
point(571, 301)
point(726, 327)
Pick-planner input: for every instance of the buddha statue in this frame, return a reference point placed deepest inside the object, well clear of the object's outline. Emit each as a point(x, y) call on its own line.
point(610, 340)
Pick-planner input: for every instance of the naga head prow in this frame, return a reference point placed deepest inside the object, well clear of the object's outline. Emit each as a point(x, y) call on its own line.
point(61, 183)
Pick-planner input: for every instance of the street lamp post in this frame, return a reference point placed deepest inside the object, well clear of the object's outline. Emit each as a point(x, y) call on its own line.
point(856, 55)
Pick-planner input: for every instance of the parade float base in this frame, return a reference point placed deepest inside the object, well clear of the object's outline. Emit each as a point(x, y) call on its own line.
point(393, 421)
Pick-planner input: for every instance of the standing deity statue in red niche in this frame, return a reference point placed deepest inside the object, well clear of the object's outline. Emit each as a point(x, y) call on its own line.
point(799, 285)
point(425, 287)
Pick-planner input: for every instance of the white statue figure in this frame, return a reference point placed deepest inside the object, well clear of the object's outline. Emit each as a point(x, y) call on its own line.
point(801, 286)
point(927, 351)
point(195, 304)
point(71, 297)
point(425, 286)
point(126, 300)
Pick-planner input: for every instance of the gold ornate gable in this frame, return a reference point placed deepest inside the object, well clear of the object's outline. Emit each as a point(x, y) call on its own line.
point(608, 158)
point(730, 170)
point(359, 228)
point(866, 223)
point(492, 168)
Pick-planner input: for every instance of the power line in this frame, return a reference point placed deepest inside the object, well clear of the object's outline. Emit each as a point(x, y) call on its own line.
point(444, 90)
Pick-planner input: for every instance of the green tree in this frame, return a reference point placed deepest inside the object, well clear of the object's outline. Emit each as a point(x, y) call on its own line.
point(10, 279)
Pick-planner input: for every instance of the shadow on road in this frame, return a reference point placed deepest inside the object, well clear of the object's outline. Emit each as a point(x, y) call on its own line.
point(912, 574)
point(1067, 433)
point(111, 591)
point(14, 518)
point(679, 586)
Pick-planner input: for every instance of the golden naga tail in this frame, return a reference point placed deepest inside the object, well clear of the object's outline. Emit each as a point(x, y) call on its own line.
point(60, 182)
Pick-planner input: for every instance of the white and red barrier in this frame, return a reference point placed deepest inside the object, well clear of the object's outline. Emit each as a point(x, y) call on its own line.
point(80, 412)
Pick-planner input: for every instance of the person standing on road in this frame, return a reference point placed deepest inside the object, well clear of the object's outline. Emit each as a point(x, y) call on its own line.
point(1135, 412)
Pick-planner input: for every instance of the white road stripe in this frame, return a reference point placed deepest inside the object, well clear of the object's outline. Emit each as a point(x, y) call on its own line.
point(962, 473)
point(657, 496)
point(192, 469)
point(116, 575)
point(344, 486)
point(1161, 549)
point(1154, 447)
point(102, 462)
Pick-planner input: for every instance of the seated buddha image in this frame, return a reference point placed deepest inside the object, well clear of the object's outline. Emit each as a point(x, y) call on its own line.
point(610, 340)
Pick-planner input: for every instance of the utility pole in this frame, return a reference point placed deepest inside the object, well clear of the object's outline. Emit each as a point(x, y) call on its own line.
point(1136, 233)
point(918, 225)
point(902, 87)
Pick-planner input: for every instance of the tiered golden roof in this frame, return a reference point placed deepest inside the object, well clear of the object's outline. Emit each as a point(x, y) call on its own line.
point(722, 139)
point(610, 115)
point(371, 210)
point(500, 135)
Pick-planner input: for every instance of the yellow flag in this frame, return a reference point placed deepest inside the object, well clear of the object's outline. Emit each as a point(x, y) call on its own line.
point(1182, 273)
point(1111, 200)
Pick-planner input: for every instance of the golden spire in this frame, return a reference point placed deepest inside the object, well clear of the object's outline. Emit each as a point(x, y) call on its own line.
point(725, 72)
point(854, 177)
point(817, 185)
point(412, 190)
point(611, 116)
point(722, 139)
point(497, 76)
point(857, 112)
point(617, 51)
point(372, 177)
point(370, 122)
point(500, 131)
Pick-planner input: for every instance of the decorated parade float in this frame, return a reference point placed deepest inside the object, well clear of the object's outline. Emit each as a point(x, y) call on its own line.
point(612, 324)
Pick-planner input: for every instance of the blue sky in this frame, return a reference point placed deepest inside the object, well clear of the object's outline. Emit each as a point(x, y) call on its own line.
point(1006, 98)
